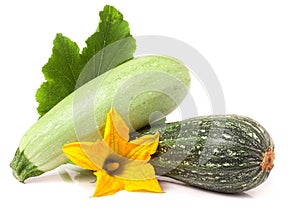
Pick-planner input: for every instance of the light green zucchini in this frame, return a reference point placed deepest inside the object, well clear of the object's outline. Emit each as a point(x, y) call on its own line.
point(136, 89)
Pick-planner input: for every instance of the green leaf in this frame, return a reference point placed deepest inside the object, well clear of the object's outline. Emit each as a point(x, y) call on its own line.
point(107, 58)
point(61, 73)
point(111, 28)
point(67, 69)
point(110, 46)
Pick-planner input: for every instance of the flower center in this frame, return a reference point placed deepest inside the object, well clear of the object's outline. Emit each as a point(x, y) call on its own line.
point(111, 167)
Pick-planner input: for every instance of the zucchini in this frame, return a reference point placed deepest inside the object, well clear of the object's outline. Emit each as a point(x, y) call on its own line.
point(136, 89)
point(224, 153)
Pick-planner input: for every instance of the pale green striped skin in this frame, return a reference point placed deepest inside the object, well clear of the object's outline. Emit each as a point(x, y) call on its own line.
point(218, 153)
point(136, 89)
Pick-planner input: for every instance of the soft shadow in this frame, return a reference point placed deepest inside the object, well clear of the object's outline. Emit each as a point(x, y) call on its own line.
point(73, 174)
point(85, 176)
point(46, 177)
point(242, 195)
point(67, 173)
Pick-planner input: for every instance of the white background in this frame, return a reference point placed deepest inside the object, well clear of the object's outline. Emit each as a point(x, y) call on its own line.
point(253, 47)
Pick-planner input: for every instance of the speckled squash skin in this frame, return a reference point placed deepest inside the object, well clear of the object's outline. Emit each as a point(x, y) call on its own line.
point(224, 153)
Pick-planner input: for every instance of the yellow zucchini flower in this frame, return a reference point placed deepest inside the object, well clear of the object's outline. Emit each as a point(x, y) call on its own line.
point(117, 163)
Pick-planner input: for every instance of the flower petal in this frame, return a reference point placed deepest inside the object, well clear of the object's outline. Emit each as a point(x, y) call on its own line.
point(137, 170)
point(150, 185)
point(107, 184)
point(141, 148)
point(116, 133)
point(87, 155)
point(76, 154)
point(139, 176)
